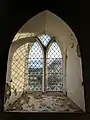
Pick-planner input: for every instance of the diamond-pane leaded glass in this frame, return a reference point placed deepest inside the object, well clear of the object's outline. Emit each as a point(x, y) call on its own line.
point(35, 65)
point(54, 68)
point(44, 39)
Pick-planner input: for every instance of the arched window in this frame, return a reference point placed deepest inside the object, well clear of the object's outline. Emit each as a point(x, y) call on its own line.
point(54, 68)
point(45, 65)
point(38, 66)
point(44, 59)
point(35, 67)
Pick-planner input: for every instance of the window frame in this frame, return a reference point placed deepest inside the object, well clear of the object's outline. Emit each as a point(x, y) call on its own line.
point(45, 50)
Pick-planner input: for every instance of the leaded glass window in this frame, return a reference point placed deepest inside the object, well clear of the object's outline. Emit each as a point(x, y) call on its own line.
point(44, 39)
point(39, 64)
point(35, 64)
point(54, 68)
point(51, 65)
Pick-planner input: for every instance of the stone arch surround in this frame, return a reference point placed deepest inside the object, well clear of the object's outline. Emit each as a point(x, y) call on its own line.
point(47, 22)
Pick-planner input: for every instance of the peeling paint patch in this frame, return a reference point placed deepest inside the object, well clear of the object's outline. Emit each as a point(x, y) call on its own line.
point(15, 92)
point(82, 83)
point(72, 36)
point(22, 102)
point(78, 51)
point(72, 46)
point(50, 103)
point(7, 91)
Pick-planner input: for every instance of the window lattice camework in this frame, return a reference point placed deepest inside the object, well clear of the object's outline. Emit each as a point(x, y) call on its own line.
point(35, 64)
point(45, 39)
point(54, 68)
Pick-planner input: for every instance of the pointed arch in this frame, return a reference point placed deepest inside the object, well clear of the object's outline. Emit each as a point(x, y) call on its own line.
point(48, 23)
point(54, 68)
point(35, 67)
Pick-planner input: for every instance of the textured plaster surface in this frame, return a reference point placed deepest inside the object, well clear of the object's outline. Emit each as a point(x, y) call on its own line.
point(38, 102)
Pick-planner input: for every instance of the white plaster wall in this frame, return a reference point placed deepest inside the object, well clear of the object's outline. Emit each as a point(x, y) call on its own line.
point(75, 90)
